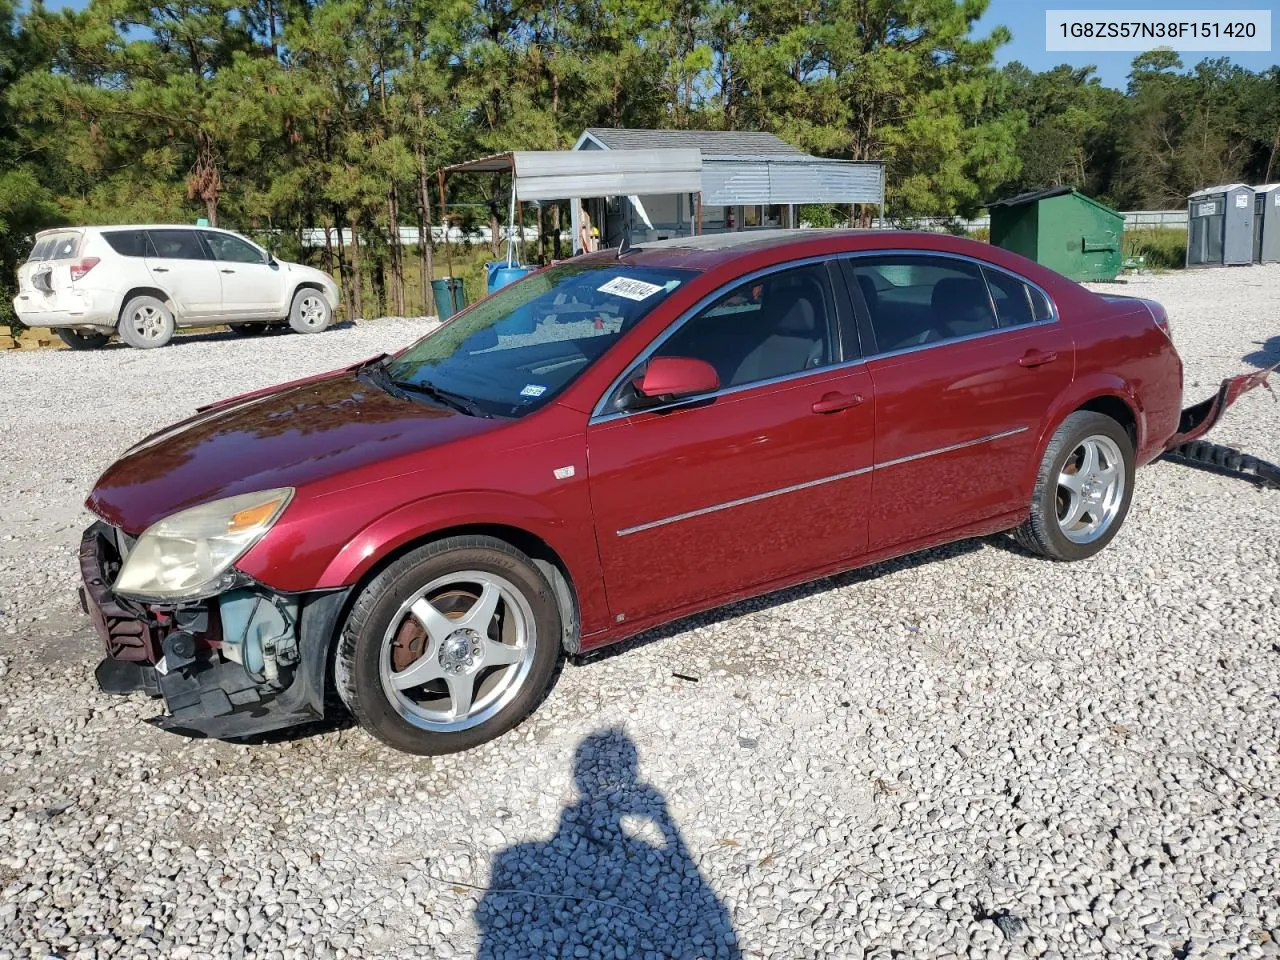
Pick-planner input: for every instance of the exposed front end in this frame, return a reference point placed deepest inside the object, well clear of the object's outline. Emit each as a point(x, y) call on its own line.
point(242, 661)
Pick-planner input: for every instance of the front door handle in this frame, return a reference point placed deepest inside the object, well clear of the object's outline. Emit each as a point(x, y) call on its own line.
point(1037, 358)
point(225, 270)
point(835, 402)
point(159, 269)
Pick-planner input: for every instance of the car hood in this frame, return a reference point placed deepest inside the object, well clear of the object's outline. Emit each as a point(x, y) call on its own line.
point(321, 432)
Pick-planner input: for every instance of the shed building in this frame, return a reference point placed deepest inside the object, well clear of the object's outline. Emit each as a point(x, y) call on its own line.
point(1220, 225)
point(750, 180)
point(1062, 229)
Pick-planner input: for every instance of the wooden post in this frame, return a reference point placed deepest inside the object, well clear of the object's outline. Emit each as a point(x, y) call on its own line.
point(697, 203)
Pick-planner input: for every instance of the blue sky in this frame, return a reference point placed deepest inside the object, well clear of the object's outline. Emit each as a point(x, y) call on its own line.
point(1026, 21)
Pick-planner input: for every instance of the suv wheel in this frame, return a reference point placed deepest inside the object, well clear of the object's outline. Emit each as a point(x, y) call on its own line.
point(146, 323)
point(450, 646)
point(87, 340)
point(310, 312)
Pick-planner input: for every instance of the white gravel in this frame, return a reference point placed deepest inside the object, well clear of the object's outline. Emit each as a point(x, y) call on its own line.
point(964, 753)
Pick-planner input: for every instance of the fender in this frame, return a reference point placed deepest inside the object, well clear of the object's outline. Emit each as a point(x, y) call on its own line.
point(572, 540)
point(1089, 387)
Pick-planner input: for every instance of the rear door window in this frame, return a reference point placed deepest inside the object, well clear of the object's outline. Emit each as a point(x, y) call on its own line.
point(913, 300)
point(176, 245)
point(127, 243)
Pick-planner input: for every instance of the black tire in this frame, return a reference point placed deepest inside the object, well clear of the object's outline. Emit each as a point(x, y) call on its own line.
point(1042, 532)
point(146, 323)
point(363, 644)
point(82, 341)
point(310, 311)
point(248, 329)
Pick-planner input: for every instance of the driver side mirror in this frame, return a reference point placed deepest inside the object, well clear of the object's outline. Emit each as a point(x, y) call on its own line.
point(672, 378)
point(270, 260)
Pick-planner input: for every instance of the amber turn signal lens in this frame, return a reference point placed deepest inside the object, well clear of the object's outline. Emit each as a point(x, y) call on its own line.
point(252, 516)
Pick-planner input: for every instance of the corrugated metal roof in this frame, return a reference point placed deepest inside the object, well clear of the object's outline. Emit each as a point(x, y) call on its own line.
point(717, 143)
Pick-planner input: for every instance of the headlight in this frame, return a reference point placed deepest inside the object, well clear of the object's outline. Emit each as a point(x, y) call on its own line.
point(185, 556)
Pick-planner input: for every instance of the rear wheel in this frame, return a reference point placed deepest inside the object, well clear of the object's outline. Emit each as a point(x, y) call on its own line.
point(1083, 489)
point(450, 646)
point(146, 323)
point(83, 340)
point(310, 311)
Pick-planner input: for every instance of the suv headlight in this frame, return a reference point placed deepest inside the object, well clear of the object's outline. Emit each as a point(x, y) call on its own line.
point(188, 555)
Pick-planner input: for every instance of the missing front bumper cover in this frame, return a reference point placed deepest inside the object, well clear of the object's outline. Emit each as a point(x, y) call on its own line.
point(178, 653)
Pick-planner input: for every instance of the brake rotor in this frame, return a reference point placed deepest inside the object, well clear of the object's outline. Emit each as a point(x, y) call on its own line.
point(411, 639)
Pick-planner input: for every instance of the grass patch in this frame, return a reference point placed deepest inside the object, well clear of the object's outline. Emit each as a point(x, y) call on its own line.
point(1163, 249)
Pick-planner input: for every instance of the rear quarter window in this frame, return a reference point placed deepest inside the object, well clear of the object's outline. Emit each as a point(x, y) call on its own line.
point(127, 243)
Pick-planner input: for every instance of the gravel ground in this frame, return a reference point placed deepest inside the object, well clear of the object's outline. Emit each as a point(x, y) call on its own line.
point(964, 753)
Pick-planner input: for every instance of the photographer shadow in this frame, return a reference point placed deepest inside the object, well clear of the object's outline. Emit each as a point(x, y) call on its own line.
point(616, 880)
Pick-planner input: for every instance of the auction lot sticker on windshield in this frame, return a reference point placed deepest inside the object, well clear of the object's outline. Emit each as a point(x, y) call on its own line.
point(631, 289)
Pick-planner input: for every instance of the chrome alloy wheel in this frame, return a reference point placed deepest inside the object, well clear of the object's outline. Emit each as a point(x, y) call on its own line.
point(148, 322)
point(1091, 489)
point(457, 651)
point(312, 311)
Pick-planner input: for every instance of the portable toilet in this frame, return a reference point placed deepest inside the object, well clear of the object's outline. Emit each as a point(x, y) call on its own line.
point(1220, 226)
point(1062, 229)
point(1266, 223)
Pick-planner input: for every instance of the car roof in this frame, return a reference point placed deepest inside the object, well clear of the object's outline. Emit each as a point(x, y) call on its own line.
point(708, 251)
point(135, 226)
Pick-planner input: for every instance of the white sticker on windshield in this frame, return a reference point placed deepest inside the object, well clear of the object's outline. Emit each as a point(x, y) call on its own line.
point(533, 390)
point(631, 289)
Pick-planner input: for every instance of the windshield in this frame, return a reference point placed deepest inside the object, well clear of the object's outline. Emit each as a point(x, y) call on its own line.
point(514, 351)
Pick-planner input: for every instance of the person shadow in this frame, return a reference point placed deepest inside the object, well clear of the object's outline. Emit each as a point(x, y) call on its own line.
point(615, 881)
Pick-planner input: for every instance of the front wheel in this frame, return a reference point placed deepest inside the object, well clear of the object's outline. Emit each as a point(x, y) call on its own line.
point(1083, 489)
point(310, 312)
point(450, 646)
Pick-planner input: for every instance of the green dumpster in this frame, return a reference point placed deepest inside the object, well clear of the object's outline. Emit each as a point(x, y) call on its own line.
point(1062, 229)
point(450, 296)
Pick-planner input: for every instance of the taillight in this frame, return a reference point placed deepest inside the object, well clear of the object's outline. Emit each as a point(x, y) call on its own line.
point(79, 269)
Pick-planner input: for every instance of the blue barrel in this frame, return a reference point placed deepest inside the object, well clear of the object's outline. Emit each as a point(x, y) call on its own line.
point(450, 296)
point(500, 274)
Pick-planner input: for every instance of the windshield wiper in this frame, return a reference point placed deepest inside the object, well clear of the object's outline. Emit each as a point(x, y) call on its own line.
point(458, 401)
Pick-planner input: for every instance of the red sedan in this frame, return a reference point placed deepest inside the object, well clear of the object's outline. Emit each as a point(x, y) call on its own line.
point(614, 442)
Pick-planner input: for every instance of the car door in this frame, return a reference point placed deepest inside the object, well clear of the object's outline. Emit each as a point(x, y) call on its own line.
point(180, 266)
point(251, 287)
point(961, 389)
point(764, 478)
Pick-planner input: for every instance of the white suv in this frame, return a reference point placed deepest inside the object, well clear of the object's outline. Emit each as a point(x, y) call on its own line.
point(144, 281)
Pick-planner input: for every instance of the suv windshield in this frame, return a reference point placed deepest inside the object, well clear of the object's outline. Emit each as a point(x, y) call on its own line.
point(514, 351)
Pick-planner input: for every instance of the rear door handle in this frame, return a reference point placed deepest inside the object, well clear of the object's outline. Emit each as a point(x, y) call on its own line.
point(835, 402)
point(225, 270)
point(159, 269)
point(1037, 358)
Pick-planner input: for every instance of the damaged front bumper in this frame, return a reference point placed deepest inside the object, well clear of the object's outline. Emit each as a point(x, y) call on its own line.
point(245, 662)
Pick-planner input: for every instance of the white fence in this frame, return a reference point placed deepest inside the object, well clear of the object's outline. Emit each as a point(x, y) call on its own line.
point(409, 236)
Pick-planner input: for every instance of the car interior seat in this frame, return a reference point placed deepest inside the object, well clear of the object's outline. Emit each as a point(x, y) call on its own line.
point(794, 339)
point(961, 306)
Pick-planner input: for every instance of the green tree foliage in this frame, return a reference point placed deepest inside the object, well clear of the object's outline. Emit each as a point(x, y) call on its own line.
point(278, 116)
